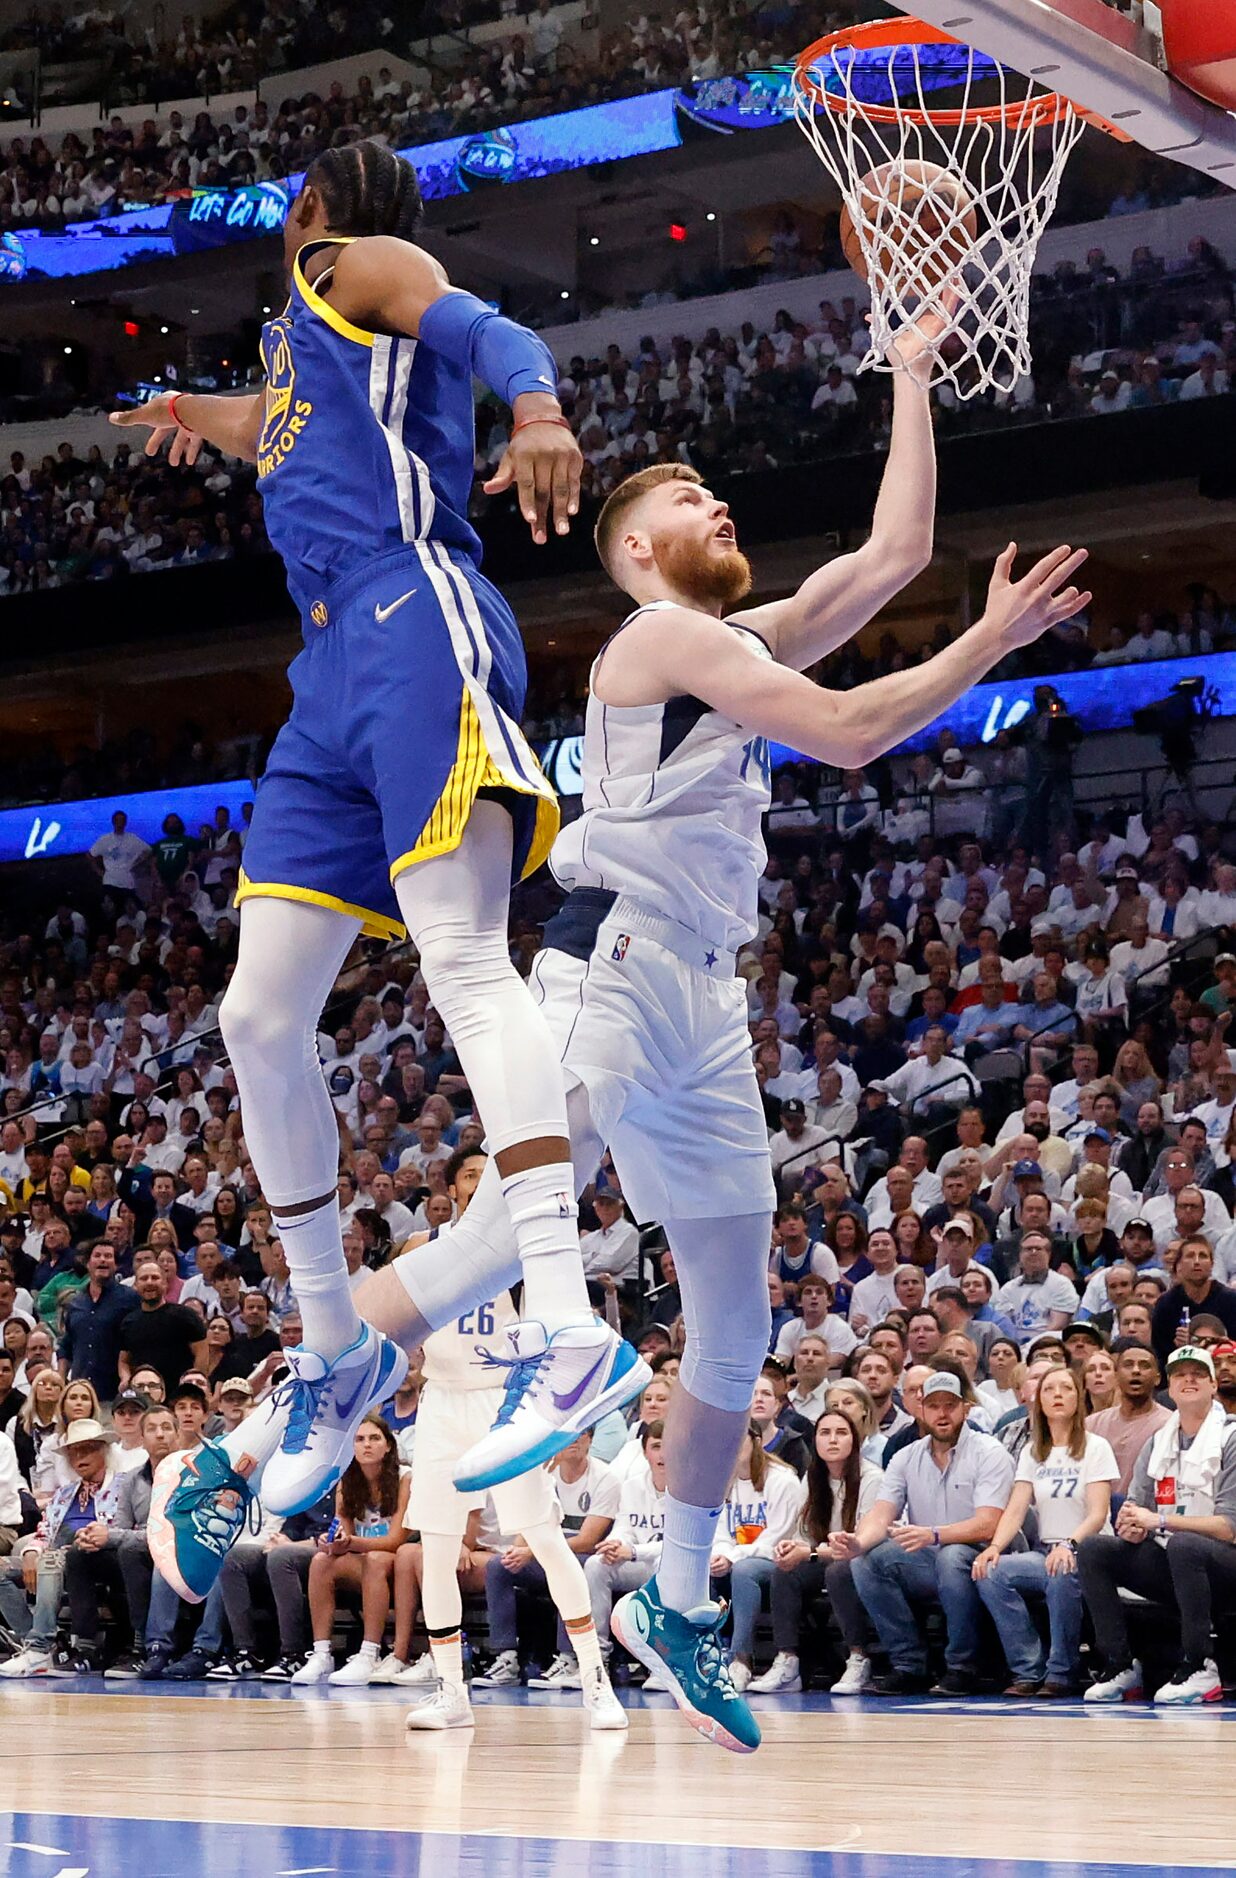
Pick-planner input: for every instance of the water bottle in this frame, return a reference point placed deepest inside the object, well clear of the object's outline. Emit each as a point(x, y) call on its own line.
point(466, 1649)
point(332, 1531)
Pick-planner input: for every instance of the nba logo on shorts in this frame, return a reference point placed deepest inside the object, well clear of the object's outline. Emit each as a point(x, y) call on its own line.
point(620, 947)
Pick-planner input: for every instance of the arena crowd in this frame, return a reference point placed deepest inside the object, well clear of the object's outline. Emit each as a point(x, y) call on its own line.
point(1000, 1092)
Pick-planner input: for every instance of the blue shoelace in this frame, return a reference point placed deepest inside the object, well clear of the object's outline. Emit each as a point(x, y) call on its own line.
point(523, 1373)
point(302, 1399)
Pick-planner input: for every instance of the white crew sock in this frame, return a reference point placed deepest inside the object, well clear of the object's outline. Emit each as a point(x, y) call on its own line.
point(251, 1445)
point(370, 1650)
point(447, 1653)
point(545, 1220)
point(313, 1247)
point(690, 1536)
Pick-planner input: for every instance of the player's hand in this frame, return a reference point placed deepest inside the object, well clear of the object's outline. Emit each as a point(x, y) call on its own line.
point(156, 417)
point(544, 462)
point(466, 1560)
point(914, 346)
point(1021, 611)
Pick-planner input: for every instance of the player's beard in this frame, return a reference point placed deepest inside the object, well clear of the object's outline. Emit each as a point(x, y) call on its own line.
point(693, 570)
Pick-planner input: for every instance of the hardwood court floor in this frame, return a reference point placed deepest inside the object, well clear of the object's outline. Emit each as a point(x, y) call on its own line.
point(880, 1789)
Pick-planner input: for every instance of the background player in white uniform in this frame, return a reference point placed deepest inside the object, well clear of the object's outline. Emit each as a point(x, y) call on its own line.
point(458, 1403)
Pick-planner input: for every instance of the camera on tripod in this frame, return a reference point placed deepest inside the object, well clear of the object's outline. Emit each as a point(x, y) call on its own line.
point(1174, 720)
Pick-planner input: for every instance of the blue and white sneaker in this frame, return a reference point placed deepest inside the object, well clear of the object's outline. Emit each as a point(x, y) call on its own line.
point(683, 1649)
point(198, 1508)
point(557, 1385)
point(326, 1404)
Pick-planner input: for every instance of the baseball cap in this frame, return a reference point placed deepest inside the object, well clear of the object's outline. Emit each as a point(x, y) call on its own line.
point(1187, 1353)
point(1223, 1349)
point(237, 1385)
point(793, 1107)
point(1097, 1134)
point(952, 755)
point(941, 1382)
point(960, 1225)
point(1079, 1328)
point(1137, 1220)
point(131, 1399)
point(1042, 926)
point(1127, 873)
point(1225, 958)
point(1023, 1170)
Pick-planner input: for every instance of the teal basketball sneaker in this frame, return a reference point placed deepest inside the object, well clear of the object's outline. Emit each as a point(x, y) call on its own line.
point(684, 1649)
point(198, 1508)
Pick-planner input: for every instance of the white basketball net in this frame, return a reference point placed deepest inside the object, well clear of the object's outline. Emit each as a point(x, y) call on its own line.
point(1011, 168)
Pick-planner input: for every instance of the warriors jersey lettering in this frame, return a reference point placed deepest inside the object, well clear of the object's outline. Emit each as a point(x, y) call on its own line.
point(367, 443)
point(674, 796)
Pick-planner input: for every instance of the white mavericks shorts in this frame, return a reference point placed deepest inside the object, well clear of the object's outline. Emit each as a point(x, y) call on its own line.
point(448, 1422)
point(652, 1020)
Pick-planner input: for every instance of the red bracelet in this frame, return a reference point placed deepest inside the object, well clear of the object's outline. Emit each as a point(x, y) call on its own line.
point(523, 422)
point(172, 402)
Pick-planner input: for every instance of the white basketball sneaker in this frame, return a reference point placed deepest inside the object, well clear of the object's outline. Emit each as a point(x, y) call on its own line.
point(563, 1673)
point(450, 1708)
point(854, 1677)
point(605, 1711)
point(391, 1669)
point(1192, 1682)
point(420, 1672)
point(1124, 1686)
point(326, 1404)
point(558, 1384)
point(780, 1678)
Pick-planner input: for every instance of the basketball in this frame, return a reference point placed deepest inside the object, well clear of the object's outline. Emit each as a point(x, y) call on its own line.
point(920, 222)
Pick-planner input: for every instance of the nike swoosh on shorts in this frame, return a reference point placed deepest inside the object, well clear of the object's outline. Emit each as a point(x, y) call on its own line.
point(383, 613)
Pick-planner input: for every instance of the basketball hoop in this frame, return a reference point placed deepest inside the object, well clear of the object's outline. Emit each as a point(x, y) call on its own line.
point(902, 99)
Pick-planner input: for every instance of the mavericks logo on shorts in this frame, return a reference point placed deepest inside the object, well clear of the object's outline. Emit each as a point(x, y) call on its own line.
point(620, 947)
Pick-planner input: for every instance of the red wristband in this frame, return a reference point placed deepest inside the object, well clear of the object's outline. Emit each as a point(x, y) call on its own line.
point(172, 402)
point(523, 422)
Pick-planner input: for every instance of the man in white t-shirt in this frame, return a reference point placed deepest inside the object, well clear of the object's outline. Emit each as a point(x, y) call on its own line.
point(792, 1146)
point(119, 855)
point(815, 1298)
point(1037, 1299)
point(875, 1296)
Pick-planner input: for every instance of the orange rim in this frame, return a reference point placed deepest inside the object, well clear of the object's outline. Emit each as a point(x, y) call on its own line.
point(1048, 108)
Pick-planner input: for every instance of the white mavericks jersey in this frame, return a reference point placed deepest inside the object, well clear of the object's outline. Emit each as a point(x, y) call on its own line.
point(674, 796)
point(454, 1359)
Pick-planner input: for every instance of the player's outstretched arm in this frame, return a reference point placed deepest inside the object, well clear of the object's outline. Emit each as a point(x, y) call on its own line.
point(388, 285)
point(838, 600)
point(687, 652)
point(188, 419)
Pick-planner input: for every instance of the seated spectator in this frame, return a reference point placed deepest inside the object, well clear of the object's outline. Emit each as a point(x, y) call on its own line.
point(1037, 1299)
point(358, 1553)
point(78, 1515)
point(1173, 1542)
point(761, 1509)
point(278, 1562)
point(1194, 1291)
point(1002, 1390)
point(930, 1555)
point(783, 1430)
point(1066, 1474)
point(815, 1297)
point(630, 1555)
point(841, 1490)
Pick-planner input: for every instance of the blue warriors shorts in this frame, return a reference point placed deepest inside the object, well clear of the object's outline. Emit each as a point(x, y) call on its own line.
point(407, 700)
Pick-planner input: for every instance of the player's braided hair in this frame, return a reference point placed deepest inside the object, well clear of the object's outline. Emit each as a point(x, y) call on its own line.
point(367, 190)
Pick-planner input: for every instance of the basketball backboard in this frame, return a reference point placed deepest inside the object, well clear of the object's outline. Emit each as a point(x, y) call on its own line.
point(1110, 63)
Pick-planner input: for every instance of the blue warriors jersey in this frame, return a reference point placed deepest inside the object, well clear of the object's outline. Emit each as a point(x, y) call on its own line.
point(368, 442)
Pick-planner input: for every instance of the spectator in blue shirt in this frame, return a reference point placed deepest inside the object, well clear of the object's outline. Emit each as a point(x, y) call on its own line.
point(90, 1346)
point(1047, 1025)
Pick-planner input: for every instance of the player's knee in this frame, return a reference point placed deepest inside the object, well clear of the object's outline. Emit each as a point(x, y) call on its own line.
point(722, 1371)
point(250, 1019)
